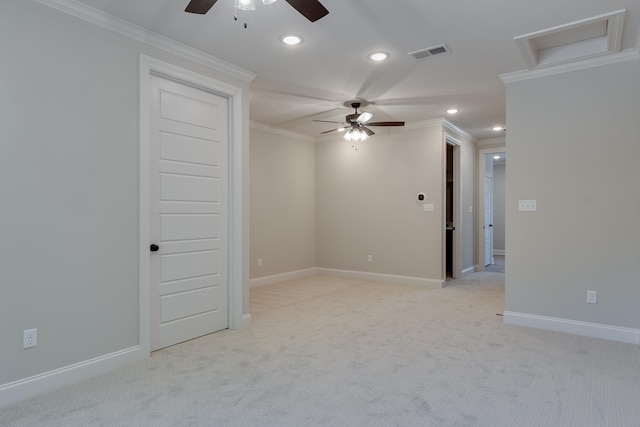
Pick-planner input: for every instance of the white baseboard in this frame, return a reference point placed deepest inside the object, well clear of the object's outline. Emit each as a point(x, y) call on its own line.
point(594, 330)
point(468, 271)
point(380, 277)
point(499, 252)
point(246, 321)
point(28, 387)
point(268, 280)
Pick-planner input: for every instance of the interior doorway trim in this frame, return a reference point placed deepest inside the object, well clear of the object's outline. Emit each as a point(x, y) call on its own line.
point(237, 220)
point(457, 210)
point(481, 171)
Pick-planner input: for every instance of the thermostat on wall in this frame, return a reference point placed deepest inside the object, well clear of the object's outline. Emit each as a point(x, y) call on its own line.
point(421, 197)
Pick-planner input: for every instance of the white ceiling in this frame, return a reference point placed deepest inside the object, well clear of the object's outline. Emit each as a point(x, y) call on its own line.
point(296, 85)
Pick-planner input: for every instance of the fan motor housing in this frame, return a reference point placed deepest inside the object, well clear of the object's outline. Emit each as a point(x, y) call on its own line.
point(351, 118)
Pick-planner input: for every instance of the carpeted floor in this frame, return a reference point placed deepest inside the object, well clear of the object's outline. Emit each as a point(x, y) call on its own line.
point(324, 351)
point(497, 266)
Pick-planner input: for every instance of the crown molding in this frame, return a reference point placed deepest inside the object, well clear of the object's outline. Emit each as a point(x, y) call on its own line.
point(453, 128)
point(437, 122)
point(422, 124)
point(120, 26)
point(279, 131)
point(501, 140)
point(626, 55)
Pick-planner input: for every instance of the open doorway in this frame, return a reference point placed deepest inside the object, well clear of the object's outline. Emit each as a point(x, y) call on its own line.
point(452, 211)
point(491, 238)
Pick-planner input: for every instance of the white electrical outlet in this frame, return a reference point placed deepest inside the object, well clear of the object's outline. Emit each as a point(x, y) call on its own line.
point(30, 338)
point(592, 297)
point(369, 258)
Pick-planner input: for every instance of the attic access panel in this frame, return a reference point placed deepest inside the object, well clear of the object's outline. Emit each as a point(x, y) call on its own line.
point(578, 40)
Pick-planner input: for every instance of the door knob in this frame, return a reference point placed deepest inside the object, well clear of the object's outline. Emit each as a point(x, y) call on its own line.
point(154, 247)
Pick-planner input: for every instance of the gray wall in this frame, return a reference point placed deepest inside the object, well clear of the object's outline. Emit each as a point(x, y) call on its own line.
point(69, 187)
point(498, 205)
point(574, 145)
point(283, 197)
point(366, 203)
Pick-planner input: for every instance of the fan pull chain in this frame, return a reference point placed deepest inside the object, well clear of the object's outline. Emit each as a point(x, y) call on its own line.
point(235, 17)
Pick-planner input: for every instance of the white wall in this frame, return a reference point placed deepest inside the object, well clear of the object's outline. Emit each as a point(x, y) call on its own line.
point(69, 187)
point(574, 146)
point(283, 202)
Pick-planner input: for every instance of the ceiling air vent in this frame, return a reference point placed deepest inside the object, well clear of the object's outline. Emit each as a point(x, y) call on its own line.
point(430, 51)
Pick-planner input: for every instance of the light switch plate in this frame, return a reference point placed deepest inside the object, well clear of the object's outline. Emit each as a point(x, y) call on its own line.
point(527, 205)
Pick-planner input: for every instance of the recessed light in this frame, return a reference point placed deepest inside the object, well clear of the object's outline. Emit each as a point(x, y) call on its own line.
point(453, 110)
point(378, 56)
point(291, 39)
point(498, 128)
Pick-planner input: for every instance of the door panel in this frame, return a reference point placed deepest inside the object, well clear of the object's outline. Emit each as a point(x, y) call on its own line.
point(188, 226)
point(186, 149)
point(186, 304)
point(188, 188)
point(186, 285)
point(187, 265)
point(188, 107)
point(488, 220)
point(189, 212)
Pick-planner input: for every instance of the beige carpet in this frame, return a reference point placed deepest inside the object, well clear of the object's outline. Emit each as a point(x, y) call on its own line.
point(498, 264)
point(329, 352)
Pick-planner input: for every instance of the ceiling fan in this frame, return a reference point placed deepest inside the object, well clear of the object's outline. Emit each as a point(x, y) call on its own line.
point(310, 9)
point(355, 123)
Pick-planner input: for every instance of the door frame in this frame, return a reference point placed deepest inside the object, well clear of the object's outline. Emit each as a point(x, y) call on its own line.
point(482, 152)
point(237, 239)
point(457, 210)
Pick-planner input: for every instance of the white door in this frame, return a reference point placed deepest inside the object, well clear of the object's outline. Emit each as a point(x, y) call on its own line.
point(189, 212)
point(488, 220)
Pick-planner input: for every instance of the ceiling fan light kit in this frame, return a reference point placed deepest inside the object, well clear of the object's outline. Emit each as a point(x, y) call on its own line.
point(355, 123)
point(245, 4)
point(355, 134)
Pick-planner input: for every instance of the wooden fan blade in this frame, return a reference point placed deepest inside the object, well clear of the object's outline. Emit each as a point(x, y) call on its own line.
point(386, 124)
point(310, 9)
point(368, 131)
point(332, 130)
point(364, 117)
point(326, 121)
point(200, 6)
